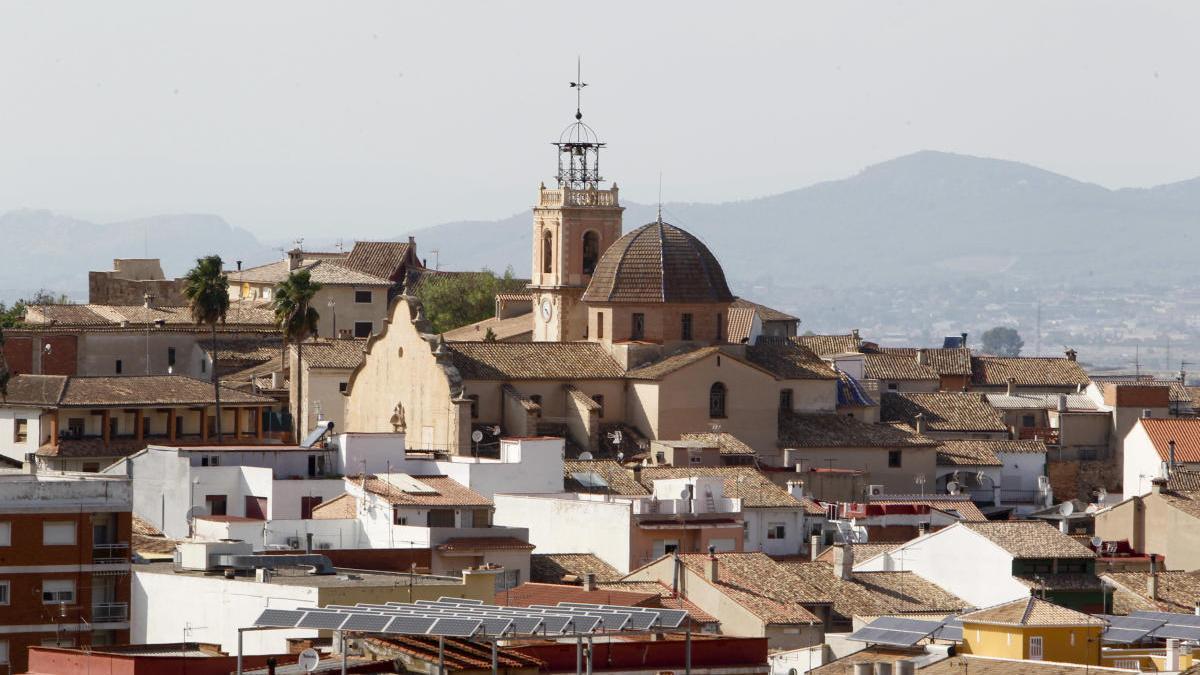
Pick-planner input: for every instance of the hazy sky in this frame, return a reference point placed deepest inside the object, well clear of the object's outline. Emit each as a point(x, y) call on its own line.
point(376, 118)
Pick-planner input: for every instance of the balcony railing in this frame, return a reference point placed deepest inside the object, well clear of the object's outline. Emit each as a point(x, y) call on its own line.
point(110, 554)
point(110, 611)
point(1047, 435)
point(686, 507)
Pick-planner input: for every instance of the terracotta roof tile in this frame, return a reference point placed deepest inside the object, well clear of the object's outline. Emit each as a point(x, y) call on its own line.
point(1030, 539)
point(740, 482)
point(241, 313)
point(727, 442)
point(149, 390)
point(861, 552)
point(533, 361)
point(37, 390)
point(841, 431)
point(790, 361)
point(942, 411)
point(551, 594)
point(445, 491)
point(1177, 591)
point(658, 262)
point(984, 665)
point(764, 313)
point(953, 504)
point(739, 321)
point(1028, 371)
point(762, 586)
point(326, 272)
point(665, 598)
point(619, 480)
point(875, 593)
point(980, 452)
point(670, 364)
point(895, 367)
point(335, 354)
point(828, 345)
point(340, 507)
point(943, 361)
point(1031, 611)
point(378, 258)
point(1185, 431)
point(484, 544)
point(512, 329)
point(552, 567)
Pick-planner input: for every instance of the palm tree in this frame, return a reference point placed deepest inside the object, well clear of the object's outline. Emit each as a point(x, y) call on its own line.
point(297, 318)
point(207, 289)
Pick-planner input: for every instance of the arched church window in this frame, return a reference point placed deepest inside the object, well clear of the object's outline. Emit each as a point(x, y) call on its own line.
point(716, 400)
point(591, 251)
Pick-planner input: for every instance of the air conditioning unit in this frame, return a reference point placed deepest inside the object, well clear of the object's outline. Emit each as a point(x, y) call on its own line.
point(293, 542)
point(875, 490)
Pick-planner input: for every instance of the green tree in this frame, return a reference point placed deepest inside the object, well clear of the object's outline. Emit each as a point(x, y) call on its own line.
point(461, 298)
point(1002, 341)
point(12, 316)
point(207, 290)
point(297, 319)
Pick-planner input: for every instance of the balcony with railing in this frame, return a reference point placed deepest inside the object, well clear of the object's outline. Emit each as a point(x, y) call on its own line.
point(110, 554)
point(571, 197)
point(110, 612)
point(1047, 435)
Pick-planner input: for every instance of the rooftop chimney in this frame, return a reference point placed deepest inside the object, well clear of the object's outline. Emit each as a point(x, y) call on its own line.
point(239, 264)
point(814, 549)
point(1170, 457)
point(922, 359)
point(1071, 354)
point(294, 258)
point(796, 488)
point(1012, 386)
point(589, 582)
point(1152, 580)
point(919, 423)
point(964, 337)
point(1062, 403)
point(1157, 485)
point(148, 301)
point(857, 339)
point(843, 562)
point(710, 566)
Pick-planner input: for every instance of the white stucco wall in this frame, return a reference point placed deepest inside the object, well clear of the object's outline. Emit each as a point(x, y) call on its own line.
point(9, 447)
point(1142, 463)
point(957, 559)
point(285, 495)
point(216, 609)
point(558, 524)
point(757, 521)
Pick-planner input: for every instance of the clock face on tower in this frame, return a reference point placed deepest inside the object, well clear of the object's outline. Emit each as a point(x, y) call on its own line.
point(547, 309)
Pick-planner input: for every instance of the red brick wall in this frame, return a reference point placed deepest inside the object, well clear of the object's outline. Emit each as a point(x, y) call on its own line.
point(18, 352)
point(647, 654)
point(62, 357)
point(51, 661)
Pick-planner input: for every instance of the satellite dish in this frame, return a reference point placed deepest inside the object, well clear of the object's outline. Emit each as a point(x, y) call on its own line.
point(952, 487)
point(1096, 542)
point(620, 457)
point(309, 659)
point(585, 455)
point(477, 435)
point(1066, 508)
point(686, 492)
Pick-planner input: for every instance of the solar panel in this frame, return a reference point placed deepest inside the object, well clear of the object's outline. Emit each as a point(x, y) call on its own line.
point(461, 601)
point(495, 625)
point(322, 620)
point(371, 623)
point(1128, 629)
point(409, 625)
point(896, 630)
point(279, 618)
point(455, 627)
point(903, 624)
point(1168, 631)
point(316, 434)
point(951, 629)
point(670, 618)
point(1168, 617)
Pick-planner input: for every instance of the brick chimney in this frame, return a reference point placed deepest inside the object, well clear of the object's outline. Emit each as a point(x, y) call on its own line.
point(294, 258)
point(710, 567)
point(922, 358)
point(589, 582)
point(1012, 386)
point(1071, 354)
point(843, 562)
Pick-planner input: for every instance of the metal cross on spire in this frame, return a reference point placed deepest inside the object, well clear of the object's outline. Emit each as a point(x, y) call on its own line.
point(578, 86)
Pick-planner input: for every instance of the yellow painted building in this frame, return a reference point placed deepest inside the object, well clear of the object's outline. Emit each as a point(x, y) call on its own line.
point(1033, 629)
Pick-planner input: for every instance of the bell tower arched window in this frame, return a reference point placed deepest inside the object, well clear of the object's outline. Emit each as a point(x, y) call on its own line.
point(591, 251)
point(716, 400)
point(547, 253)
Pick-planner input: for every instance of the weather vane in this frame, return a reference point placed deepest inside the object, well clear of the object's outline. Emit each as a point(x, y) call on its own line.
point(578, 86)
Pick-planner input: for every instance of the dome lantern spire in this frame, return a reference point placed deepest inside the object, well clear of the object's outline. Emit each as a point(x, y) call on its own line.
point(578, 146)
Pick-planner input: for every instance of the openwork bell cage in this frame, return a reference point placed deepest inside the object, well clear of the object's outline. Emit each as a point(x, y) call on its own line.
point(579, 157)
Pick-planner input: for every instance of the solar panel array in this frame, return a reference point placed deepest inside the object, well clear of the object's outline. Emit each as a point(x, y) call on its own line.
point(458, 617)
point(1178, 626)
point(898, 631)
point(1128, 629)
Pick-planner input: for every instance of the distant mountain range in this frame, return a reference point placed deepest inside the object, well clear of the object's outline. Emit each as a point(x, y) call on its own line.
point(929, 216)
point(50, 251)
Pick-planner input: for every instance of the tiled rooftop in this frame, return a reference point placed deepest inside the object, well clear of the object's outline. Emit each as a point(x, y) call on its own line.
point(790, 361)
point(1030, 611)
point(841, 431)
point(980, 452)
point(445, 491)
point(618, 479)
point(342, 353)
point(1183, 430)
point(1030, 539)
point(942, 411)
point(895, 367)
point(658, 262)
point(740, 482)
point(762, 586)
point(533, 361)
point(1028, 371)
point(875, 593)
point(550, 568)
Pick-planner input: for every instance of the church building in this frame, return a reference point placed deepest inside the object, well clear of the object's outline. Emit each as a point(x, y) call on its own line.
point(629, 334)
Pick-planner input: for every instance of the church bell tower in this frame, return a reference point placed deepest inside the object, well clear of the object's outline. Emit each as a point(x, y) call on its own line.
point(573, 224)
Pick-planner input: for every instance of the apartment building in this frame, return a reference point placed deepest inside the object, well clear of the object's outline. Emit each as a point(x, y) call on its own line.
point(64, 561)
